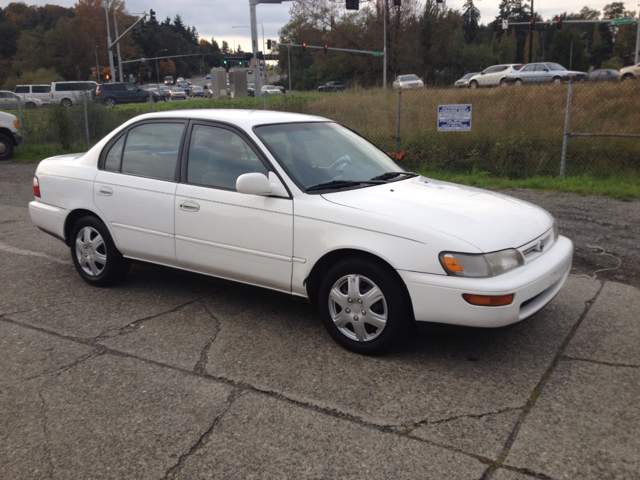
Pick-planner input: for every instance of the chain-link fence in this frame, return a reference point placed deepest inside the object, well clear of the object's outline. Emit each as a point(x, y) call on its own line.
point(515, 131)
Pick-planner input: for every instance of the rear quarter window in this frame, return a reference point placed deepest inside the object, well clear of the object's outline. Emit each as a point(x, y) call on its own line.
point(41, 88)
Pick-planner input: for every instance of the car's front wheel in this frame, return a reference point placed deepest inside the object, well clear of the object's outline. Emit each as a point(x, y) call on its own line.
point(518, 82)
point(365, 306)
point(94, 254)
point(503, 83)
point(473, 84)
point(66, 102)
point(6, 147)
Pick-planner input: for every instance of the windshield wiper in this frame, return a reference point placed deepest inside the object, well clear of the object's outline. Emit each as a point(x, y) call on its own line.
point(390, 175)
point(343, 184)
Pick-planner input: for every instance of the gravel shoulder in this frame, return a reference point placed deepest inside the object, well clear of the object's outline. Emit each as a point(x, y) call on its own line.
point(605, 231)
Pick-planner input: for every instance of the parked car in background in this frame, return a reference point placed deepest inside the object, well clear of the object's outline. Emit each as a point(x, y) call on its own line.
point(168, 80)
point(301, 205)
point(188, 80)
point(10, 101)
point(178, 93)
point(270, 89)
point(332, 86)
point(119, 93)
point(630, 73)
point(68, 93)
point(603, 75)
point(281, 88)
point(545, 72)
point(41, 92)
point(197, 91)
point(494, 75)
point(408, 81)
point(9, 137)
point(208, 76)
point(179, 79)
point(251, 89)
point(463, 81)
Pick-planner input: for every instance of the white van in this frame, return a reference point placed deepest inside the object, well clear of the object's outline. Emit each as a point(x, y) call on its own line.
point(41, 92)
point(68, 93)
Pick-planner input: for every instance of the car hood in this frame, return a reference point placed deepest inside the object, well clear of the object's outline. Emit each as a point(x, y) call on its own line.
point(486, 220)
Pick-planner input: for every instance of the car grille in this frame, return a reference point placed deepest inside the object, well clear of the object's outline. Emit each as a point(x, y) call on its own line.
point(537, 247)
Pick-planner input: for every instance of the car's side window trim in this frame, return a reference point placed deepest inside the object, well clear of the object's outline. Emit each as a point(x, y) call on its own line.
point(105, 151)
point(232, 128)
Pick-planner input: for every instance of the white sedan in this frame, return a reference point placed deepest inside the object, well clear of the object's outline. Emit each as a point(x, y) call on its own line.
point(302, 205)
point(270, 89)
point(408, 81)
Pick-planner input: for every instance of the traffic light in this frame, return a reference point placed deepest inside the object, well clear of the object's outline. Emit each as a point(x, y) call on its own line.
point(115, 58)
point(438, 1)
point(152, 16)
point(107, 77)
point(559, 23)
point(135, 32)
point(269, 44)
point(240, 63)
point(495, 25)
point(397, 3)
point(304, 47)
point(532, 24)
point(143, 26)
point(353, 4)
point(326, 48)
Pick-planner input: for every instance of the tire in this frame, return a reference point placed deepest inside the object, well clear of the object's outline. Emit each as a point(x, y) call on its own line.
point(66, 102)
point(473, 84)
point(110, 102)
point(628, 76)
point(375, 326)
point(6, 147)
point(503, 83)
point(94, 254)
point(30, 105)
point(518, 82)
point(557, 80)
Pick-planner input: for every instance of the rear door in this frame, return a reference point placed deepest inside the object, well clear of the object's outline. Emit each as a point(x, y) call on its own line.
point(135, 189)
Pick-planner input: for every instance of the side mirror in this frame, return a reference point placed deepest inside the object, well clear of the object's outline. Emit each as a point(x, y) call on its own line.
point(545, 70)
point(259, 184)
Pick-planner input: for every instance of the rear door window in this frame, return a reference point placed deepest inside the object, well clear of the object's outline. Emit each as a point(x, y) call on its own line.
point(151, 150)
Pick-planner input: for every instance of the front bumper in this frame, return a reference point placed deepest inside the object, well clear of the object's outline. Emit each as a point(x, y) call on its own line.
point(438, 298)
point(17, 138)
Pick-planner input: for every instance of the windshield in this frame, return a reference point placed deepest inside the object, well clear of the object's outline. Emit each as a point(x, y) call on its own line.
point(409, 78)
point(316, 153)
point(555, 66)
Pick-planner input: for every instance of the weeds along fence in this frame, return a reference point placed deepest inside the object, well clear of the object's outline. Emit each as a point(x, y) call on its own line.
point(515, 132)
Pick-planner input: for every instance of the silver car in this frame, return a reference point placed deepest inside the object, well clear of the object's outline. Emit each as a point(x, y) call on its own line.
point(545, 72)
point(494, 76)
point(9, 100)
point(408, 81)
point(463, 81)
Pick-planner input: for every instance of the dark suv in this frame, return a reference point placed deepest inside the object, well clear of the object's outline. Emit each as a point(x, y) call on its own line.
point(117, 93)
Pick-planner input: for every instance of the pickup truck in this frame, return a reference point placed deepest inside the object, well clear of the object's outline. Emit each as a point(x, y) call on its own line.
point(9, 137)
point(332, 86)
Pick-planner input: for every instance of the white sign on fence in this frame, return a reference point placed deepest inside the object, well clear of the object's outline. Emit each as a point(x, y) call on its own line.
point(454, 118)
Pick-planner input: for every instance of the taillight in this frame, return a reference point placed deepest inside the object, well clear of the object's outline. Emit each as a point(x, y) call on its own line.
point(98, 90)
point(36, 187)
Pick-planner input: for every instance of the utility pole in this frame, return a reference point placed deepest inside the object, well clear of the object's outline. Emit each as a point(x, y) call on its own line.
point(531, 34)
point(115, 20)
point(384, 48)
point(109, 46)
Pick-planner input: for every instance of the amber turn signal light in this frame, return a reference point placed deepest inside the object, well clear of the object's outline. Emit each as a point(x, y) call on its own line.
point(488, 300)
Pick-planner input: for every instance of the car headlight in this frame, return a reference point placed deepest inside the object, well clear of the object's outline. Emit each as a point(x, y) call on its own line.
point(481, 265)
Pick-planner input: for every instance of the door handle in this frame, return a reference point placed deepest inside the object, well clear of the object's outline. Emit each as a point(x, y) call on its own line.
point(189, 206)
point(105, 191)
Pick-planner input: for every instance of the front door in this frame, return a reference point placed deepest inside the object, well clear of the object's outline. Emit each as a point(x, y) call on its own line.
point(248, 238)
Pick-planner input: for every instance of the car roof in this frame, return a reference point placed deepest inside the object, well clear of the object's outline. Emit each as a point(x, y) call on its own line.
point(246, 119)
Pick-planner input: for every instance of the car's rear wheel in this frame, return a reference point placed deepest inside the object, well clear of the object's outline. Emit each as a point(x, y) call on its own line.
point(557, 80)
point(6, 147)
point(30, 105)
point(503, 82)
point(66, 102)
point(94, 254)
point(473, 84)
point(365, 306)
point(110, 102)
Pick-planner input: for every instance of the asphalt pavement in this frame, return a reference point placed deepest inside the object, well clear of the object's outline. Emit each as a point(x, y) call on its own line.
point(176, 376)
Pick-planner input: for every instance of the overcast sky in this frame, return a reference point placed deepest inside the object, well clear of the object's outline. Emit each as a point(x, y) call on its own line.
point(215, 18)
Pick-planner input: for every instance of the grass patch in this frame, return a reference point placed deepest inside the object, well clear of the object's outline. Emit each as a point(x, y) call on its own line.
point(35, 153)
point(621, 187)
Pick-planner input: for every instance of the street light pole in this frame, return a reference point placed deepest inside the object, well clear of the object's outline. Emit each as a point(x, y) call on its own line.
point(109, 48)
point(531, 35)
point(384, 50)
point(263, 48)
point(97, 65)
point(158, 71)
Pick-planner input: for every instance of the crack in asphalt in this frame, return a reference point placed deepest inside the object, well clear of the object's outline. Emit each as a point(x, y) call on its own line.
point(64, 368)
point(537, 391)
point(204, 438)
point(466, 415)
point(200, 368)
point(45, 430)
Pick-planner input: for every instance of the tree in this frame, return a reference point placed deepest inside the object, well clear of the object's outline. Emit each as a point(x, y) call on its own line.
point(470, 18)
point(508, 49)
point(225, 47)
